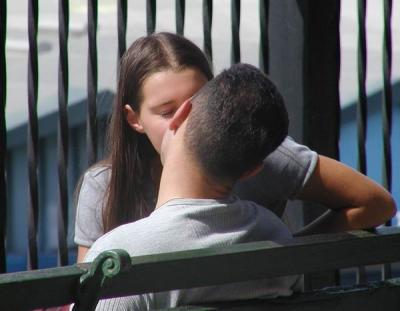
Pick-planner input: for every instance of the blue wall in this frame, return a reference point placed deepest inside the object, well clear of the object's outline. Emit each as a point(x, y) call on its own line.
point(17, 178)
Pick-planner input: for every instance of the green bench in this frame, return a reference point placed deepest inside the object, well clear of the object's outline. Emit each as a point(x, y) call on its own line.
point(114, 273)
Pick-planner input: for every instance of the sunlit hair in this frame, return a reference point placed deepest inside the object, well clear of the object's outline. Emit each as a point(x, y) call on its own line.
point(131, 190)
point(237, 119)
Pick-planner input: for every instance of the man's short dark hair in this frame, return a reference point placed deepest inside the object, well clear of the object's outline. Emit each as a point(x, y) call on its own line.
point(237, 119)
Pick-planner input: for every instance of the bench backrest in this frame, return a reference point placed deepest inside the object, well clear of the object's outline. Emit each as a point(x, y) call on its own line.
point(114, 273)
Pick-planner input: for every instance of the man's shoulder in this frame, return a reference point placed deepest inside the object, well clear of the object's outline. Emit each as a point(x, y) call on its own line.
point(248, 204)
point(127, 237)
point(264, 215)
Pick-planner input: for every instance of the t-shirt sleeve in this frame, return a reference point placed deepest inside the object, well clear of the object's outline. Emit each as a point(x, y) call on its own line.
point(88, 221)
point(292, 164)
point(285, 172)
point(129, 303)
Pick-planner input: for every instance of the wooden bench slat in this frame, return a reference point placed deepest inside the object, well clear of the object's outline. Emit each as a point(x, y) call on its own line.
point(375, 296)
point(39, 288)
point(244, 262)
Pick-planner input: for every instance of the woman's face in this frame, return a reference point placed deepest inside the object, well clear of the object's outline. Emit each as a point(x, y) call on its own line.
point(163, 92)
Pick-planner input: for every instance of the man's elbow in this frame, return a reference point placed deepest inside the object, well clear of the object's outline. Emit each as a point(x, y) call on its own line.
point(391, 207)
point(385, 207)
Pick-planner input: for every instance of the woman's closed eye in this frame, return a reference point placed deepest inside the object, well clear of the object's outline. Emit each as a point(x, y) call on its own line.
point(167, 114)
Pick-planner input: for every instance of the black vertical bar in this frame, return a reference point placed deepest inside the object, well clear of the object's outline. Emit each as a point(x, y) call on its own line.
point(91, 122)
point(180, 16)
point(361, 106)
point(321, 123)
point(151, 16)
point(362, 97)
point(264, 55)
point(387, 109)
point(235, 26)
point(33, 140)
point(207, 25)
point(3, 134)
point(322, 54)
point(63, 23)
point(122, 18)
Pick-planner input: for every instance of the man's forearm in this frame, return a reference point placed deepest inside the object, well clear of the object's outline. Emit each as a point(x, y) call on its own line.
point(355, 201)
point(342, 220)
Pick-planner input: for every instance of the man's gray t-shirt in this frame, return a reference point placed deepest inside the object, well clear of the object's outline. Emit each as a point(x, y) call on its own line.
point(285, 172)
point(183, 224)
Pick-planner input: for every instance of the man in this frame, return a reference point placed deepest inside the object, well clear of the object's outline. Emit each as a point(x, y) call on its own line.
point(218, 137)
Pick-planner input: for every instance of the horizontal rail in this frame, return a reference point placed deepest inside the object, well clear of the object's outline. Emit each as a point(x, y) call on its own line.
point(39, 288)
point(258, 260)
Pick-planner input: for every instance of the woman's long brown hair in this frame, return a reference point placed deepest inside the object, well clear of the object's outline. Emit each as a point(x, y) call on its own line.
point(131, 190)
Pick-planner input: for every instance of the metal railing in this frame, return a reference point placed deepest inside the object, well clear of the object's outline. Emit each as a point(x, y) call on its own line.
point(310, 35)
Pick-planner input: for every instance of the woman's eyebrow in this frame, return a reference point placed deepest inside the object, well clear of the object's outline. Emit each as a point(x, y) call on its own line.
point(162, 104)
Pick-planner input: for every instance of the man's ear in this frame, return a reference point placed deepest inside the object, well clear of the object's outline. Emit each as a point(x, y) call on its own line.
point(180, 115)
point(133, 119)
point(252, 172)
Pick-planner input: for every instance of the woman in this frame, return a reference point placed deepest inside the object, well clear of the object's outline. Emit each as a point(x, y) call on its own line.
point(158, 73)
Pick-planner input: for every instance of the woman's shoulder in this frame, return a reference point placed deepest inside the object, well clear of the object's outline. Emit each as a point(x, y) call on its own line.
point(98, 170)
point(89, 205)
point(97, 174)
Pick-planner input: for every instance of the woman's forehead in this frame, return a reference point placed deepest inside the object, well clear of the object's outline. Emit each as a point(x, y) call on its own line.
point(167, 86)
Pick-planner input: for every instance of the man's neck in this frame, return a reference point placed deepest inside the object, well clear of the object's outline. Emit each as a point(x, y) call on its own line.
point(183, 178)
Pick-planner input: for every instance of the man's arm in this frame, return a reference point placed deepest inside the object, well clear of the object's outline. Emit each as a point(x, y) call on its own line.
point(355, 201)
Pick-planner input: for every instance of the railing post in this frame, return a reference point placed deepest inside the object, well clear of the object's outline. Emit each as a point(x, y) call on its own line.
point(207, 25)
point(304, 61)
point(180, 16)
point(264, 36)
point(91, 128)
point(122, 20)
point(33, 136)
point(362, 108)
point(235, 27)
point(150, 16)
point(387, 107)
point(3, 134)
point(62, 133)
